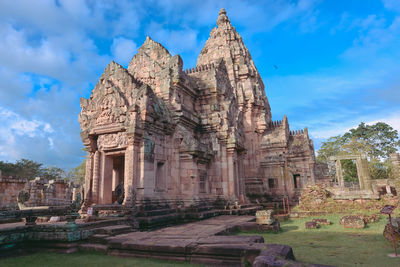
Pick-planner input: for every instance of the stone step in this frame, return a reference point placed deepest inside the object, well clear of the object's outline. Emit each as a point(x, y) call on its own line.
point(202, 215)
point(93, 247)
point(114, 229)
point(99, 238)
point(147, 213)
point(152, 222)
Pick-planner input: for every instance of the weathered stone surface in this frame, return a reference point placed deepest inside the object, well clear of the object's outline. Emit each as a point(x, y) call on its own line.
point(322, 221)
point(311, 225)
point(166, 135)
point(42, 192)
point(265, 217)
point(352, 221)
point(274, 227)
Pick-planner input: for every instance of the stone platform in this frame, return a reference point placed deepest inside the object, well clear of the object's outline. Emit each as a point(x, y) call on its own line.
point(208, 242)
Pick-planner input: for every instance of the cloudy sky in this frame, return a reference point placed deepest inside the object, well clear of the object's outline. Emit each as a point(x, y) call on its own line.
point(338, 62)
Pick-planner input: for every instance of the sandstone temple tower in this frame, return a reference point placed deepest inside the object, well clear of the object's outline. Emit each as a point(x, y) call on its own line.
point(156, 132)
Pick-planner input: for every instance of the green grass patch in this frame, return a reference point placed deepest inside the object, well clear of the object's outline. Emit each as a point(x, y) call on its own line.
point(87, 259)
point(333, 244)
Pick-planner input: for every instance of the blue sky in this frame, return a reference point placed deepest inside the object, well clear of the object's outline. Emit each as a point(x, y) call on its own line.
point(338, 61)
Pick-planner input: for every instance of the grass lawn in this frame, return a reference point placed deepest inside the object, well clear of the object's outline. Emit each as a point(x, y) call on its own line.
point(85, 259)
point(333, 244)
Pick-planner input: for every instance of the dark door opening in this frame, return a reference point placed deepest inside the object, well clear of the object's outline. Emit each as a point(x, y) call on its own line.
point(118, 176)
point(296, 180)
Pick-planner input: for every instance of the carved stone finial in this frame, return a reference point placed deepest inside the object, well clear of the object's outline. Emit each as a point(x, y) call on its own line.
point(222, 18)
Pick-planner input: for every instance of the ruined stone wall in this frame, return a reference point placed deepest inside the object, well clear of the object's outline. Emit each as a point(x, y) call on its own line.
point(322, 175)
point(395, 160)
point(42, 192)
point(9, 189)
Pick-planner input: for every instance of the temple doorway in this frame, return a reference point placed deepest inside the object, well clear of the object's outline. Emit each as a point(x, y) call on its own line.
point(113, 174)
point(118, 176)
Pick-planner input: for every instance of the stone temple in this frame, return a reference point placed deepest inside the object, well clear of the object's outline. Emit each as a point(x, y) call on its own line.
point(155, 133)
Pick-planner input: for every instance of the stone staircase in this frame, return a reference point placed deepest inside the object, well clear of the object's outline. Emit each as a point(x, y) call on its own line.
point(155, 218)
point(98, 241)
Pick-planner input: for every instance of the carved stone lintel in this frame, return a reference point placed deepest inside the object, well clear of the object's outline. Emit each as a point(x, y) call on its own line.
point(112, 140)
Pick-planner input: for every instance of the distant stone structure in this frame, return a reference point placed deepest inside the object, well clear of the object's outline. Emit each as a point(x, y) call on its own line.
point(41, 192)
point(364, 177)
point(157, 132)
point(366, 188)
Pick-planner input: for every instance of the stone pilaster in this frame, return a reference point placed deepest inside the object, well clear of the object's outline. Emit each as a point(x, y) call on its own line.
point(88, 175)
point(129, 175)
point(96, 176)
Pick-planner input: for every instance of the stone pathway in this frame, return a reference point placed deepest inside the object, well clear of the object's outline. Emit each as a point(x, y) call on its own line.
point(207, 241)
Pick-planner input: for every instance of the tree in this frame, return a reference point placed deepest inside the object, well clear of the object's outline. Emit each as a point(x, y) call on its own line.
point(77, 174)
point(53, 173)
point(28, 169)
point(377, 141)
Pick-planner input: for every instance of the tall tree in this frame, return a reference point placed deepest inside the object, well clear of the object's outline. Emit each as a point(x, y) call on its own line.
point(28, 169)
point(77, 174)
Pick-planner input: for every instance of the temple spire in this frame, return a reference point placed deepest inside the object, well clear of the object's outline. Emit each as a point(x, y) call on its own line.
point(223, 18)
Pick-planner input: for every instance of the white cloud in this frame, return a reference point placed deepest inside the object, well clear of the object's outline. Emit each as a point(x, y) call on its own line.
point(176, 41)
point(393, 120)
point(254, 16)
point(14, 128)
point(123, 50)
point(392, 5)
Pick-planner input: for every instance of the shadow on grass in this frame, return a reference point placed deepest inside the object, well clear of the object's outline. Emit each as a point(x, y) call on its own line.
point(289, 228)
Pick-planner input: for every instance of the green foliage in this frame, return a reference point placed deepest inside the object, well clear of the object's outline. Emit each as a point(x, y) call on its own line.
point(377, 141)
point(22, 168)
point(380, 169)
point(77, 174)
point(380, 139)
point(349, 170)
point(53, 173)
point(29, 169)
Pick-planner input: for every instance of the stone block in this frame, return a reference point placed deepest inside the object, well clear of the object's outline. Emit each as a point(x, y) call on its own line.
point(352, 221)
point(274, 227)
point(322, 221)
point(311, 225)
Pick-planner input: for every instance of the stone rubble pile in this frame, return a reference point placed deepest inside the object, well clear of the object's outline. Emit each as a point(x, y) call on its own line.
point(312, 195)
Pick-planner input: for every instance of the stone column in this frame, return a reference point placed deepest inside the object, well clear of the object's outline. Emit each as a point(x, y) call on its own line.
point(231, 174)
point(88, 175)
point(339, 175)
point(105, 179)
point(395, 160)
point(241, 179)
point(360, 173)
point(96, 174)
point(367, 176)
point(224, 170)
point(129, 172)
point(115, 179)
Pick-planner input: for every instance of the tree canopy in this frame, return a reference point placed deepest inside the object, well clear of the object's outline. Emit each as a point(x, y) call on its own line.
point(29, 169)
point(377, 141)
